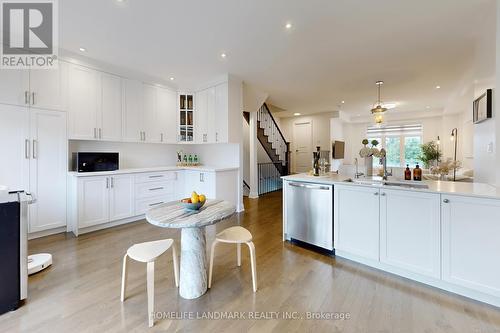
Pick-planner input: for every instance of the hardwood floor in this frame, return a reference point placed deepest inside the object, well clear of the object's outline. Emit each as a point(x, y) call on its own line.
point(81, 291)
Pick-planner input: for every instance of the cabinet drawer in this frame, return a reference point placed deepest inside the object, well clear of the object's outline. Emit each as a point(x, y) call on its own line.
point(142, 205)
point(153, 189)
point(155, 176)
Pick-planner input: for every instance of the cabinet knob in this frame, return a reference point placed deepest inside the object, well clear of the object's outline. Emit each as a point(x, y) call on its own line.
point(382, 194)
point(376, 193)
point(446, 200)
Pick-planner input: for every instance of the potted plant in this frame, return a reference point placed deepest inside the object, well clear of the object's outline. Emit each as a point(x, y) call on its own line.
point(430, 154)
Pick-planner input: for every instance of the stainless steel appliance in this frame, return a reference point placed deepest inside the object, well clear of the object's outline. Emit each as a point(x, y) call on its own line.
point(310, 214)
point(95, 161)
point(13, 249)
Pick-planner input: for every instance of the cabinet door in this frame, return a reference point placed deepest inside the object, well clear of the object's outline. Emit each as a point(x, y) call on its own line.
point(93, 201)
point(48, 87)
point(201, 117)
point(221, 113)
point(211, 116)
point(83, 102)
point(470, 243)
point(14, 87)
point(167, 113)
point(15, 146)
point(356, 226)
point(207, 184)
point(48, 169)
point(410, 231)
point(151, 127)
point(111, 108)
point(121, 197)
point(192, 183)
point(132, 110)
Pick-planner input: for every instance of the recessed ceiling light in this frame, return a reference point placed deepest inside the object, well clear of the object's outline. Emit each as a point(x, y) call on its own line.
point(359, 114)
point(343, 102)
point(427, 107)
point(296, 114)
point(223, 55)
point(120, 0)
point(288, 25)
point(82, 49)
point(172, 78)
point(438, 87)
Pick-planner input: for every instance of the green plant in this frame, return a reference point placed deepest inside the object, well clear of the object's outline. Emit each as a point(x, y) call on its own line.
point(375, 143)
point(430, 152)
point(365, 141)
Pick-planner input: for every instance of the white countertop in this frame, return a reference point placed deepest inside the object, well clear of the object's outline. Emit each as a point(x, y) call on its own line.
point(457, 188)
point(203, 168)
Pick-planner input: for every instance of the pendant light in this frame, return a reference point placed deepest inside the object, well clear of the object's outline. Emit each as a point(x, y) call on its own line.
point(378, 110)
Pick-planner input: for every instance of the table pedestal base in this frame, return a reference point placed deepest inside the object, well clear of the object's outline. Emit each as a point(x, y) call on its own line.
point(193, 277)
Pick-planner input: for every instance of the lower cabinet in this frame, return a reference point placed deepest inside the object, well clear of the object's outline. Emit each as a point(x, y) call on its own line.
point(356, 221)
point(471, 243)
point(121, 197)
point(201, 182)
point(410, 231)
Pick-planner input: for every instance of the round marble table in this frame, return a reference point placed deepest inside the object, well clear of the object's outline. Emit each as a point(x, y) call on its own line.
point(193, 273)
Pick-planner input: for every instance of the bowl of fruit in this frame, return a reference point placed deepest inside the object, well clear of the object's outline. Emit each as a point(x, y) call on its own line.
point(195, 202)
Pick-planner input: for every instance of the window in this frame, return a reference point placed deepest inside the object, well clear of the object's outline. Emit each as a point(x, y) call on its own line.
point(401, 142)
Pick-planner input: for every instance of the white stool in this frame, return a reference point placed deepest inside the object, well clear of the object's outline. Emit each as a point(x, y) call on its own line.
point(235, 235)
point(148, 252)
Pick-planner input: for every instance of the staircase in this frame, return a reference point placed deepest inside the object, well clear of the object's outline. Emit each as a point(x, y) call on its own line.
point(276, 147)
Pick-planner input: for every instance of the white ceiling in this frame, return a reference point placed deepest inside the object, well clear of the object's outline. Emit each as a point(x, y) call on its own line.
point(335, 51)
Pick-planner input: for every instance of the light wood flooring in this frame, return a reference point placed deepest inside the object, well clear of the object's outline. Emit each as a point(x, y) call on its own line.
point(81, 291)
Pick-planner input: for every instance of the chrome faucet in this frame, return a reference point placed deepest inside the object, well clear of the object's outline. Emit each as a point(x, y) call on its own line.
point(383, 161)
point(357, 174)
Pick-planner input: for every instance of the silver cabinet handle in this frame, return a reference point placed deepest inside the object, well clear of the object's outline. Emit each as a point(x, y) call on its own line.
point(95, 133)
point(161, 137)
point(382, 194)
point(156, 188)
point(202, 177)
point(156, 176)
point(100, 133)
point(27, 149)
point(107, 182)
point(446, 201)
point(26, 97)
point(33, 98)
point(216, 136)
point(310, 187)
point(376, 193)
point(144, 135)
point(112, 182)
point(156, 203)
point(35, 149)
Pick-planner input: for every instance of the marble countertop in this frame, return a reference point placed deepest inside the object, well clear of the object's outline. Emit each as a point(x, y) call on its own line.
point(480, 190)
point(203, 168)
point(174, 215)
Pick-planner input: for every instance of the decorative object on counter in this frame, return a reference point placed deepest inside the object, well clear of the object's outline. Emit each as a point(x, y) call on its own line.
point(430, 155)
point(378, 109)
point(417, 173)
point(187, 159)
point(407, 172)
point(454, 137)
point(316, 157)
point(444, 168)
point(368, 153)
point(195, 202)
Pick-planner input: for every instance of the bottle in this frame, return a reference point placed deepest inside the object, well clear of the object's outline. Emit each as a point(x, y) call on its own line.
point(407, 172)
point(417, 173)
point(195, 159)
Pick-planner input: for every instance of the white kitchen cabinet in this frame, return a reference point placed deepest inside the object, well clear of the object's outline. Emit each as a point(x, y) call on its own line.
point(48, 167)
point(14, 87)
point(470, 243)
point(356, 222)
point(221, 113)
point(151, 131)
point(201, 117)
point(201, 182)
point(92, 201)
point(15, 146)
point(410, 231)
point(110, 114)
point(166, 114)
point(121, 197)
point(48, 87)
point(132, 110)
point(83, 103)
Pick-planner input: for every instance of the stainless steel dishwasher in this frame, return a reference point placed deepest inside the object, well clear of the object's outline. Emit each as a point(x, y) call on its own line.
point(309, 213)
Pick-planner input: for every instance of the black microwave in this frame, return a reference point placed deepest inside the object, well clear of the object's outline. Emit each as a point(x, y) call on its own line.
point(93, 162)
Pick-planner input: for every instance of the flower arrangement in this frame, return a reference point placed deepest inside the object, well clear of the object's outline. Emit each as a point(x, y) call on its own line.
point(369, 151)
point(430, 153)
point(445, 167)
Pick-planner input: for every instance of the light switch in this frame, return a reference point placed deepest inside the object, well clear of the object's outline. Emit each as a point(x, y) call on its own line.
point(489, 148)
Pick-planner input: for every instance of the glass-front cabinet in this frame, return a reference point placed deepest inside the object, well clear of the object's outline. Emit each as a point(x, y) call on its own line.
point(186, 118)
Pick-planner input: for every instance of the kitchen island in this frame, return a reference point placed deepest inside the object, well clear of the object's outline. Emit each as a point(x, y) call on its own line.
point(439, 233)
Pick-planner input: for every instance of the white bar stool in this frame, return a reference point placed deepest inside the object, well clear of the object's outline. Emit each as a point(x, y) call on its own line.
point(235, 235)
point(148, 252)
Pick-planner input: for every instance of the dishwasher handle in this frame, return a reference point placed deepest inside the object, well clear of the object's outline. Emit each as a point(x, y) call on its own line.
point(310, 187)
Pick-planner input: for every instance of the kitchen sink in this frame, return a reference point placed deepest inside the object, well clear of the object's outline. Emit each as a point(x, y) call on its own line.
point(387, 183)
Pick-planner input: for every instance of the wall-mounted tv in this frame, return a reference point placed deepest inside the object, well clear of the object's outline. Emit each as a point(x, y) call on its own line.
point(338, 148)
point(482, 107)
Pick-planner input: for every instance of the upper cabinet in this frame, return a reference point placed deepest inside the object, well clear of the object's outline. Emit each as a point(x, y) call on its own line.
point(186, 117)
point(42, 88)
point(94, 105)
point(166, 110)
point(132, 110)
